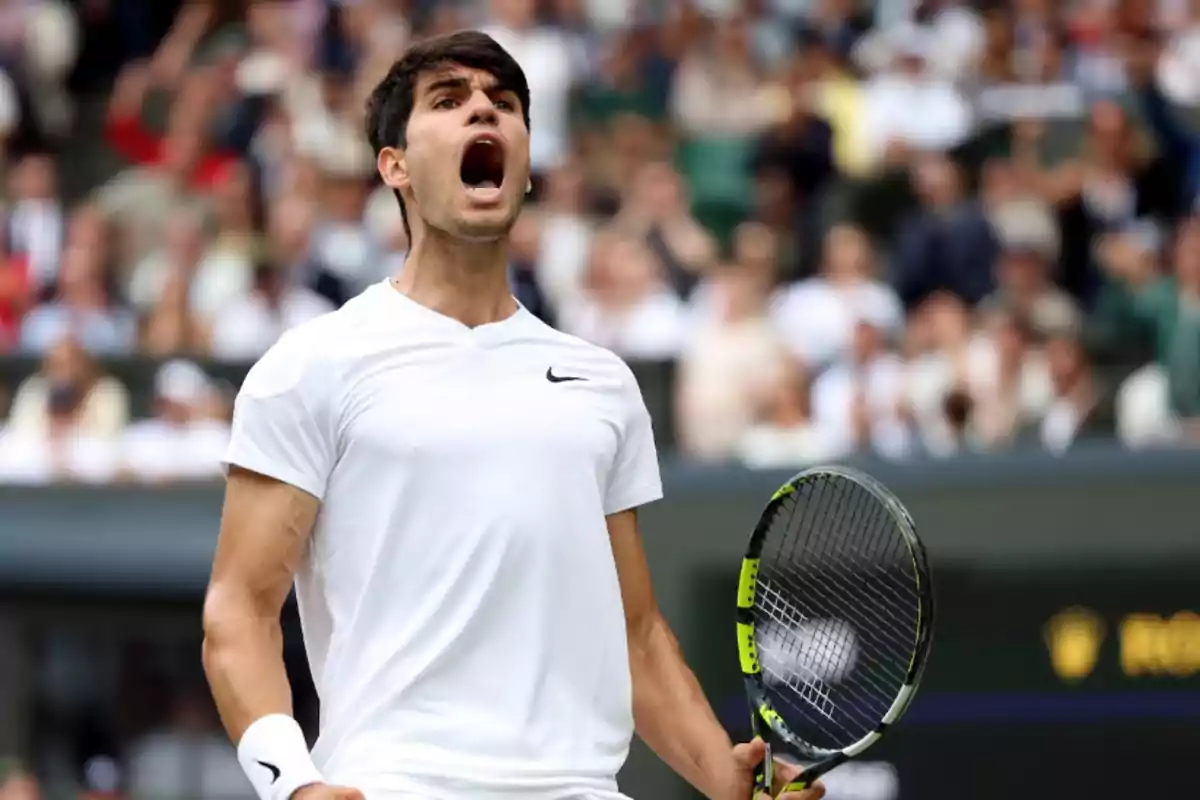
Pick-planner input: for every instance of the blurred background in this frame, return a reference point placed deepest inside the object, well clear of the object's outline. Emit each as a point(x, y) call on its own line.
point(957, 243)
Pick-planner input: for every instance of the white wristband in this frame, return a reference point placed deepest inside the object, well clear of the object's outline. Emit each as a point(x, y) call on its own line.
point(275, 757)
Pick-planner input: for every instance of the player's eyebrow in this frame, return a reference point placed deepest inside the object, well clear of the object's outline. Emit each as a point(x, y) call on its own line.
point(459, 83)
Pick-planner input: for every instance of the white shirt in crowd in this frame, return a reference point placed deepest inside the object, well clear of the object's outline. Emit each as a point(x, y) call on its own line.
point(881, 383)
point(248, 325)
point(925, 114)
point(34, 459)
point(816, 318)
point(725, 369)
point(155, 449)
point(653, 328)
point(36, 228)
point(459, 599)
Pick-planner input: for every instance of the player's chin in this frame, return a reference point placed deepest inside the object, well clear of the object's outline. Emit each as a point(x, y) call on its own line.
point(492, 216)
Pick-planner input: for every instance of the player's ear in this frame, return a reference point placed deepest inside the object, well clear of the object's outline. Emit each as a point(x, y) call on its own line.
point(393, 167)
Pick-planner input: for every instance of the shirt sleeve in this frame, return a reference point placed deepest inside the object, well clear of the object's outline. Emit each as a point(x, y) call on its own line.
point(282, 420)
point(634, 479)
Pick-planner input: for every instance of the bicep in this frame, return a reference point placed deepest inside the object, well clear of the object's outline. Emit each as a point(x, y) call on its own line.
point(633, 572)
point(265, 530)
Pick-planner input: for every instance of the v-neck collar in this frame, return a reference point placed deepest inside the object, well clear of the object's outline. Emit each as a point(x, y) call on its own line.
point(487, 333)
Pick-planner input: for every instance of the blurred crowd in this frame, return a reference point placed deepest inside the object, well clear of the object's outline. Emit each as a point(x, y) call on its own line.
point(913, 228)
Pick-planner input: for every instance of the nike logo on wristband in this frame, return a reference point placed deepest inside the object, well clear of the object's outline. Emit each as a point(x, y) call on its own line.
point(274, 770)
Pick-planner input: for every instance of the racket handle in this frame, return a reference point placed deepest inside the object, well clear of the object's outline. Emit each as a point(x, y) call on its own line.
point(765, 777)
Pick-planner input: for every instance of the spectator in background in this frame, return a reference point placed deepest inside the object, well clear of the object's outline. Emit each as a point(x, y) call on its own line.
point(1116, 183)
point(817, 316)
point(1160, 402)
point(657, 212)
point(939, 366)
point(182, 441)
point(36, 224)
point(1075, 407)
point(1180, 147)
point(63, 423)
point(566, 229)
point(732, 353)
point(225, 272)
point(627, 307)
point(172, 327)
point(856, 402)
point(948, 244)
point(81, 307)
point(1011, 382)
point(800, 147)
point(179, 256)
point(276, 303)
point(784, 435)
point(892, 130)
point(1025, 288)
point(718, 89)
point(167, 168)
point(341, 243)
point(69, 379)
point(1096, 42)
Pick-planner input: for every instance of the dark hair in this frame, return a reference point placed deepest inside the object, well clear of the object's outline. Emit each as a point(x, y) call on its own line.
point(391, 102)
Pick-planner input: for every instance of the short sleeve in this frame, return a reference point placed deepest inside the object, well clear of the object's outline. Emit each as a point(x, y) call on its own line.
point(634, 479)
point(282, 420)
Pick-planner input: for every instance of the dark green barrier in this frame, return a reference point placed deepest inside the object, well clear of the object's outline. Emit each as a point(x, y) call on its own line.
point(1067, 593)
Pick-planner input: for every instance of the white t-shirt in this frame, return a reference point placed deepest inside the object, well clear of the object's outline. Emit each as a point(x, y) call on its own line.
point(459, 601)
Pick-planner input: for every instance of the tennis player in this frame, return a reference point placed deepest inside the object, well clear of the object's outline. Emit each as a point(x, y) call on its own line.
point(452, 486)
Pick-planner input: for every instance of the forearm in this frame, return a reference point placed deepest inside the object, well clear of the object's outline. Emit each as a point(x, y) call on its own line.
point(672, 715)
point(243, 659)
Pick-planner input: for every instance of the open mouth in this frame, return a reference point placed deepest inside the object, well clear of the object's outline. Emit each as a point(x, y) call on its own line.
point(483, 164)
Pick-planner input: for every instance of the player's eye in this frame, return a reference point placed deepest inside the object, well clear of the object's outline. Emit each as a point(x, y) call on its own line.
point(446, 102)
point(504, 105)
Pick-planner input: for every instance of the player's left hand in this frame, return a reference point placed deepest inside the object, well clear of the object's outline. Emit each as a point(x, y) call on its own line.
point(748, 756)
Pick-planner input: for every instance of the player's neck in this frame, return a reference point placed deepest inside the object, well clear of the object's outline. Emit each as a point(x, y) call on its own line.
point(467, 281)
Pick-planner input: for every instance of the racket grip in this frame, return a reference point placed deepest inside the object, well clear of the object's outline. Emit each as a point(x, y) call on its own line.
point(765, 777)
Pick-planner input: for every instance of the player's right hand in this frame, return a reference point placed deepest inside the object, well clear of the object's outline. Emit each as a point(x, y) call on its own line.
point(323, 791)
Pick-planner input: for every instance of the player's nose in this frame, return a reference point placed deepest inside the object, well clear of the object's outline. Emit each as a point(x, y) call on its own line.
point(482, 111)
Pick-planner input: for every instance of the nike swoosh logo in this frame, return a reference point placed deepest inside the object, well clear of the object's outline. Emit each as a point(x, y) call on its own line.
point(274, 770)
point(550, 376)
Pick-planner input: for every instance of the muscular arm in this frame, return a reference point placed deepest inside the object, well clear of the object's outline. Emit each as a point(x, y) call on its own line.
point(265, 528)
point(670, 712)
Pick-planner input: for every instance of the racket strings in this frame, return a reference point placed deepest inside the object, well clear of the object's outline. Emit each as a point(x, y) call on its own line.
point(837, 586)
point(879, 522)
point(870, 647)
point(823, 563)
point(806, 682)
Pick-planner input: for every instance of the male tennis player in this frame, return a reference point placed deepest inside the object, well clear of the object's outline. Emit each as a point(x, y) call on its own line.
point(452, 484)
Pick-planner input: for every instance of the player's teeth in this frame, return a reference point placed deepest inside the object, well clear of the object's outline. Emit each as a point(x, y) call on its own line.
point(484, 185)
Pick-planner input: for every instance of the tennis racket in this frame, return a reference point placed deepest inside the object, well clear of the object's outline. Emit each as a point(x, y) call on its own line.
point(834, 618)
